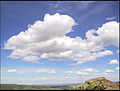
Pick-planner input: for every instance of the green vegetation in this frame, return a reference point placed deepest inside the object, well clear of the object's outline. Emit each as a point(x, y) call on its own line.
point(25, 87)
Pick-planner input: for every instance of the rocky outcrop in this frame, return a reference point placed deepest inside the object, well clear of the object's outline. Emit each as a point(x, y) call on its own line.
point(96, 84)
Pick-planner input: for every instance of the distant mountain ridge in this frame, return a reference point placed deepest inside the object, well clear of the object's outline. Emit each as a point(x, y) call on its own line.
point(63, 85)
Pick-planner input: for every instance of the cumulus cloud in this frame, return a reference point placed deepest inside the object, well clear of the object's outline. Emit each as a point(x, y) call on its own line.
point(115, 61)
point(117, 68)
point(76, 72)
point(109, 33)
point(31, 58)
point(15, 71)
point(90, 70)
point(117, 51)
point(85, 71)
point(109, 70)
point(47, 39)
point(11, 71)
point(46, 71)
point(32, 70)
point(53, 26)
point(110, 18)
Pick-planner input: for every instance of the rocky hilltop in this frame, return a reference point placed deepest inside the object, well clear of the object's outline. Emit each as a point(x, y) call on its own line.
point(96, 84)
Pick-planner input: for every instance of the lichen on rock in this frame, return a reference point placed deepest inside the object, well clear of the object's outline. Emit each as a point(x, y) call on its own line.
point(96, 84)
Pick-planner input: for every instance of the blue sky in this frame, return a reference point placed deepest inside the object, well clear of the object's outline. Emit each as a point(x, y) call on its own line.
point(49, 60)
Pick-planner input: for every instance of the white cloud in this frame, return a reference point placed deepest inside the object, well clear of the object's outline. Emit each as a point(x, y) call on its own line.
point(115, 61)
point(46, 71)
point(109, 70)
point(76, 72)
point(110, 18)
point(85, 71)
point(47, 39)
point(41, 79)
point(53, 26)
point(106, 73)
point(92, 56)
point(117, 68)
point(109, 33)
point(117, 51)
point(31, 58)
point(12, 71)
point(90, 70)
point(81, 73)
point(15, 71)
point(32, 70)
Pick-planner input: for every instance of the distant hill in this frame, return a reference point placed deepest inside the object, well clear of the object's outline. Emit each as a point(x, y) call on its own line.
point(63, 85)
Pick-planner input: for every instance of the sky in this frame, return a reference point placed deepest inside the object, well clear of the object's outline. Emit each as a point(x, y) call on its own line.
point(59, 42)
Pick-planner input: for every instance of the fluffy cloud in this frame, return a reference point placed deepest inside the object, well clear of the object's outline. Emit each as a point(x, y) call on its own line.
point(46, 71)
point(31, 58)
point(114, 61)
point(53, 26)
point(15, 71)
point(110, 18)
point(76, 72)
point(31, 70)
point(12, 71)
point(86, 57)
point(117, 68)
point(47, 39)
point(109, 70)
point(109, 33)
point(90, 70)
point(85, 71)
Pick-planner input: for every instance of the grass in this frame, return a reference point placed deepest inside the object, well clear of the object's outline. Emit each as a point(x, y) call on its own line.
point(25, 87)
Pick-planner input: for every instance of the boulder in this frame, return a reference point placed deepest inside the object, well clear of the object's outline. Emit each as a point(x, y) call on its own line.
point(96, 84)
